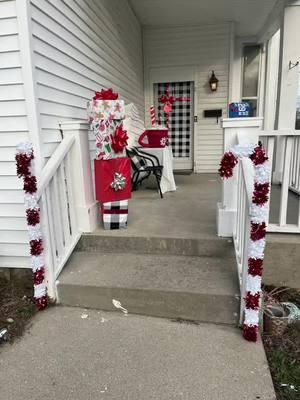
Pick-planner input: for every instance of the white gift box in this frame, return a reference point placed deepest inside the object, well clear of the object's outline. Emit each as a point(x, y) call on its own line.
point(105, 110)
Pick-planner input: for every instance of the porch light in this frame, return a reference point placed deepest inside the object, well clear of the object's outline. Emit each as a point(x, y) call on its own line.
point(213, 82)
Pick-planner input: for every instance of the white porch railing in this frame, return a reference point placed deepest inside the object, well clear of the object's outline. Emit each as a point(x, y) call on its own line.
point(234, 211)
point(289, 185)
point(66, 199)
point(242, 226)
point(283, 149)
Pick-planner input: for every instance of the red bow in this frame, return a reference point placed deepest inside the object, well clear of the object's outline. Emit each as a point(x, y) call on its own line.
point(107, 94)
point(168, 100)
point(119, 140)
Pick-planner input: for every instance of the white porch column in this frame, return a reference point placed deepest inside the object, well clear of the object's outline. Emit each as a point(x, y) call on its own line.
point(227, 209)
point(288, 78)
point(86, 205)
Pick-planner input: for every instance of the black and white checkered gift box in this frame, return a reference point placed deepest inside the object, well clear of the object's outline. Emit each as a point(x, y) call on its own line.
point(115, 214)
point(180, 117)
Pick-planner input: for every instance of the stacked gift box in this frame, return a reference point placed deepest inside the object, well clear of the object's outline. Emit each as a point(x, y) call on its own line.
point(112, 168)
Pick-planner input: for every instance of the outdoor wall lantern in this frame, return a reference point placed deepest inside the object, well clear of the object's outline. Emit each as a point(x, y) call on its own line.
point(213, 82)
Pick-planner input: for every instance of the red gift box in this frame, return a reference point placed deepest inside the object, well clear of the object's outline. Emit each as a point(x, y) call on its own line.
point(105, 171)
point(156, 138)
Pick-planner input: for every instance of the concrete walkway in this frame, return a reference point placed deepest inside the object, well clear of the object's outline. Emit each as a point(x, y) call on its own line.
point(111, 356)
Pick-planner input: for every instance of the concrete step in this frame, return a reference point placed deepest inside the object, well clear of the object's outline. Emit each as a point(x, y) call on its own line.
point(193, 288)
point(114, 241)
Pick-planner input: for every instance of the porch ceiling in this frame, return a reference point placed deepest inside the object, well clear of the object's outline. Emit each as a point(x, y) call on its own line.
point(249, 15)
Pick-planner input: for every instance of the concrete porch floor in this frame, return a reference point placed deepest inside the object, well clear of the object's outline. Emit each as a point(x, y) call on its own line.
point(190, 212)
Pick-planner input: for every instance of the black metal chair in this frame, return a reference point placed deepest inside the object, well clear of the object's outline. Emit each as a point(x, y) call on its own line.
point(143, 164)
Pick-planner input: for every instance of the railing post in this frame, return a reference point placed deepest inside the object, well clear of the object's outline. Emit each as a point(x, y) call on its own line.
point(83, 191)
point(285, 181)
point(48, 248)
point(226, 212)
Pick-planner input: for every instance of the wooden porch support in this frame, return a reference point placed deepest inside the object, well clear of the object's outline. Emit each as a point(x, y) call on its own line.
point(226, 211)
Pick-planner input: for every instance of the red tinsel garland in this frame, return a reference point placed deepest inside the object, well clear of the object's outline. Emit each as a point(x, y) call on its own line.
point(250, 332)
point(258, 231)
point(252, 301)
point(255, 266)
point(24, 158)
point(38, 276)
point(36, 247)
point(260, 193)
point(23, 164)
point(227, 165)
point(30, 184)
point(33, 216)
point(41, 303)
point(260, 198)
point(258, 156)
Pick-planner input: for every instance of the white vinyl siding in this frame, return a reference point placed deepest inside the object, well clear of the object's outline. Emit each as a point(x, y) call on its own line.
point(81, 46)
point(205, 48)
point(14, 248)
point(78, 47)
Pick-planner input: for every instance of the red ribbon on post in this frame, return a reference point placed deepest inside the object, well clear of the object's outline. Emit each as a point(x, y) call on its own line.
point(168, 102)
point(107, 94)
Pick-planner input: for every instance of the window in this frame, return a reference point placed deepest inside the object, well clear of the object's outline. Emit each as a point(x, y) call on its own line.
point(251, 67)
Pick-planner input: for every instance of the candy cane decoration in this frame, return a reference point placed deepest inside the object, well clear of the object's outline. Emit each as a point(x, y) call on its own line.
point(258, 217)
point(153, 116)
point(24, 158)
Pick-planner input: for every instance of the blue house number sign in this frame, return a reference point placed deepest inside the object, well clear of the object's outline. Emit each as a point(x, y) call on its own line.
point(239, 110)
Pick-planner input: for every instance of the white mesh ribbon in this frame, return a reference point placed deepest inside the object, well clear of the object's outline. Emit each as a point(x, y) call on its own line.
point(251, 317)
point(34, 232)
point(39, 290)
point(256, 249)
point(36, 262)
point(259, 214)
point(262, 172)
point(31, 201)
point(253, 284)
point(25, 148)
point(241, 151)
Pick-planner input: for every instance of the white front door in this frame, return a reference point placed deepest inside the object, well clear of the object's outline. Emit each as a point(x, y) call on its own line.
point(180, 120)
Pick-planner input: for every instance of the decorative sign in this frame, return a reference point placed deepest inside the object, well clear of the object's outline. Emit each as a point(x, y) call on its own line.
point(240, 110)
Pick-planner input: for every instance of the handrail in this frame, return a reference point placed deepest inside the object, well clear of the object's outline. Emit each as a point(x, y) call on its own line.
point(50, 168)
point(248, 172)
point(281, 132)
point(66, 199)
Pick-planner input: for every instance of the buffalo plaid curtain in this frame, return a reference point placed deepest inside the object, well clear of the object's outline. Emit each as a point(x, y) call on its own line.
point(180, 117)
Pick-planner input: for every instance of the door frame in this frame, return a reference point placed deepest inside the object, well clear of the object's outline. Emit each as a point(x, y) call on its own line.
point(170, 73)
